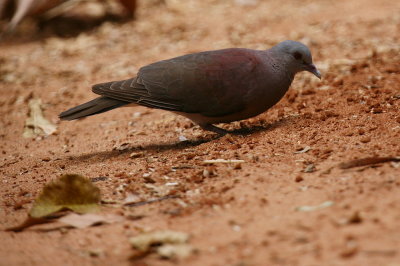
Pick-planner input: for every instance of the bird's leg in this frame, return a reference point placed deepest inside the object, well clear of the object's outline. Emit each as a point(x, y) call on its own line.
point(214, 129)
point(22, 9)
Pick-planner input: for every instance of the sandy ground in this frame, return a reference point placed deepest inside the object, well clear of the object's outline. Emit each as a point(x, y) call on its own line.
point(250, 213)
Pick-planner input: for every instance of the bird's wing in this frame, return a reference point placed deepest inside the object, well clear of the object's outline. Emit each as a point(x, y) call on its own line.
point(131, 91)
point(210, 83)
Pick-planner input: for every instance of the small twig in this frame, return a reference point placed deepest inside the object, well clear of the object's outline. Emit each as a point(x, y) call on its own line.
point(31, 221)
point(367, 161)
point(140, 203)
point(183, 166)
point(222, 161)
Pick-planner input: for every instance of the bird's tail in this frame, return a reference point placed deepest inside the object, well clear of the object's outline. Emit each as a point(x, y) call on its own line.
point(93, 107)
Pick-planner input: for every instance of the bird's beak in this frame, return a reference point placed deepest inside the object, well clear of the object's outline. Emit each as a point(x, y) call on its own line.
point(312, 69)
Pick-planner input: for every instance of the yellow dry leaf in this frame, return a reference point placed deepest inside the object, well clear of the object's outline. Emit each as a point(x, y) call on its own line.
point(36, 124)
point(73, 192)
point(167, 244)
point(172, 251)
point(144, 241)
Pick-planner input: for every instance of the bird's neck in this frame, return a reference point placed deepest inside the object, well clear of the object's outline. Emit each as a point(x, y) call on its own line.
point(281, 68)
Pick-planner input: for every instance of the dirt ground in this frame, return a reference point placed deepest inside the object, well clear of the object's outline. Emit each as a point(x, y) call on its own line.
point(291, 202)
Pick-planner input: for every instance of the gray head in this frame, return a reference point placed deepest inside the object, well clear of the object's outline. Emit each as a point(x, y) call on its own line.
point(297, 57)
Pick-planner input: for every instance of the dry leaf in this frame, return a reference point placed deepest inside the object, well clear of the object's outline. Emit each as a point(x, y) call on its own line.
point(122, 146)
point(73, 192)
point(159, 191)
point(132, 198)
point(144, 241)
point(175, 251)
point(89, 219)
point(36, 124)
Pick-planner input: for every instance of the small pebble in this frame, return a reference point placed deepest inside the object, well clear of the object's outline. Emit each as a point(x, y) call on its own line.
point(136, 155)
point(365, 139)
point(299, 178)
point(237, 166)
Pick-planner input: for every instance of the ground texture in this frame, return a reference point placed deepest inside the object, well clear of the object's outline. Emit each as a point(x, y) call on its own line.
point(294, 200)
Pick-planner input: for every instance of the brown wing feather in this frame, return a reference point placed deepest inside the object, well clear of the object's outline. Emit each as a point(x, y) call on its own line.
point(130, 91)
point(206, 83)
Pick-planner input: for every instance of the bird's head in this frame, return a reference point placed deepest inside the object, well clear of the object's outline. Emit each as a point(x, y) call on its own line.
point(297, 57)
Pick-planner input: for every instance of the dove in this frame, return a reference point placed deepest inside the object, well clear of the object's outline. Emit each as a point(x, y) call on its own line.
point(26, 8)
point(210, 87)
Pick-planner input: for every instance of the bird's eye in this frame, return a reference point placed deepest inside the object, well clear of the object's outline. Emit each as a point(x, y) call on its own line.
point(297, 55)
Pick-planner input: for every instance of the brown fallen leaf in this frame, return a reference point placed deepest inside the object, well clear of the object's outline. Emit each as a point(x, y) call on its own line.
point(36, 125)
point(73, 192)
point(367, 161)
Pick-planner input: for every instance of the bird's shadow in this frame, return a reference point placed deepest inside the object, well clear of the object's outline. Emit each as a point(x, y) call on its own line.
point(158, 147)
point(181, 145)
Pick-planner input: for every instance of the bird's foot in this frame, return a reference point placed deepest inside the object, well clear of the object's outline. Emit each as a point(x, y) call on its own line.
point(214, 129)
